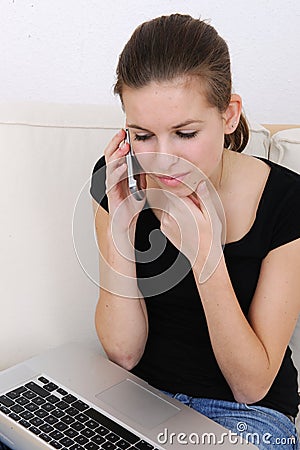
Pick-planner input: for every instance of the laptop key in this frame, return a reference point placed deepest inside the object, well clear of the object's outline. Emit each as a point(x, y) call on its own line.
point(102, 431)
point(81, 418)
point(99, 440)
point(69, 398)
point(71, 433)
point(31, 407)
point(58, 413)
point(30, 395)
point(61, 391)
point(41, 413)
point(51, 419)
point(16, 392)
point(24, 423)
point(68, 420)
point(81, 440)
point(71, 411)
point(17, 409)
point(36, 421)
point(56, 435)
point(91, 446)
point(56, 444)
point(87, 432)
point(38, 401)
point(80, 405)
point(50, 387)
point(26, 415)
point(52, 399)
point(6, 401)
point(112, 437)
point(91, 424)
point(77, 426)
point(43, 380)
point(62, 405)
point(142, 445)
point(61, 426)
point(45, 437)
point(4, 409)
point(122, 444)
point(14, 416)
point(37, 389)
point(22, 400)
point(113, 426)
point(35, 430)
point(108, 446)
point(66, 442)
point(46, 428)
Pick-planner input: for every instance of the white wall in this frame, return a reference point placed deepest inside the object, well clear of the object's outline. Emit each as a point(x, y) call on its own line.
point(66, 51)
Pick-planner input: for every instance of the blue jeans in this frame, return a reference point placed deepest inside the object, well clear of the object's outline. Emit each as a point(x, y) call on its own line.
point(263, 427)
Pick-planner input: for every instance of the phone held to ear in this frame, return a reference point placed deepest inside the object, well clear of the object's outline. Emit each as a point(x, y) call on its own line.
point(133, 169)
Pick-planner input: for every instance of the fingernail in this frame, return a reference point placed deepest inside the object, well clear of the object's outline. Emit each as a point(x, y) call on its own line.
point(202, 187)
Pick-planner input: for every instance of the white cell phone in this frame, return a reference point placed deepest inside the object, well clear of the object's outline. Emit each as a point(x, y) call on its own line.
point(133, 170)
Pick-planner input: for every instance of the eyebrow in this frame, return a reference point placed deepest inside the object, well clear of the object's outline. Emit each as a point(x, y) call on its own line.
point(180, 125)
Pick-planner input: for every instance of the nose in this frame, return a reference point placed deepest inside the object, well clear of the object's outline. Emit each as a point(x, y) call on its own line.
point(165, 157)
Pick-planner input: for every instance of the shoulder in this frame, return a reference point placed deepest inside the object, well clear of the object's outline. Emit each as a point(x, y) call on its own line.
point(99, 164)
point(98, 183)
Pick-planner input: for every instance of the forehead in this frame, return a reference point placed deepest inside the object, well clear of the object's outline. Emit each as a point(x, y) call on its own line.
point(168, 99)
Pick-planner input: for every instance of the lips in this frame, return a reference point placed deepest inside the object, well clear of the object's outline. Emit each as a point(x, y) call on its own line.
point(173, 180)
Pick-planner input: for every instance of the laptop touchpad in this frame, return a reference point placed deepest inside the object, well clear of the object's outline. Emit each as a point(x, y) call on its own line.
point(138, 403)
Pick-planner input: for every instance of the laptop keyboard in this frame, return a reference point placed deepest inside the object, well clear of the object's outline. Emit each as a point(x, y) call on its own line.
point(64, 421)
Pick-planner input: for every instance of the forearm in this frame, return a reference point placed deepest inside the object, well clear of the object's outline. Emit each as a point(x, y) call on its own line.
point(240, 354)
point(121, 318)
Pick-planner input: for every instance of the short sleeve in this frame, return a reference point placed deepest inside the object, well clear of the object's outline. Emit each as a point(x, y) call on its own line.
point(287, 221)
point(98, 183)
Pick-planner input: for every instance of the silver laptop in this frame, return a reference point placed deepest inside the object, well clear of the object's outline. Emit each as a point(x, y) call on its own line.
point(73, 398)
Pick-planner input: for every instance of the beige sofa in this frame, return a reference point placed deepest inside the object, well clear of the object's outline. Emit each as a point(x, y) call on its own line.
point(48, 257)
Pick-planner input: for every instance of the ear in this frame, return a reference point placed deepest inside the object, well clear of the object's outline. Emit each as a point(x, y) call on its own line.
point(232, 114)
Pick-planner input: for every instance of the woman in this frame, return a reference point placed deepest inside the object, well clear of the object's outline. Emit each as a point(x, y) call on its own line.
point(205, 322)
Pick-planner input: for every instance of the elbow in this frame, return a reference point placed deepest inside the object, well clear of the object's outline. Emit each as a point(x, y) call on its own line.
point(250, 394)
point(127, 362)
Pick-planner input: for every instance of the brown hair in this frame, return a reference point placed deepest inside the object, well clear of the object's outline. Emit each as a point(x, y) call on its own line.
point(178, 45)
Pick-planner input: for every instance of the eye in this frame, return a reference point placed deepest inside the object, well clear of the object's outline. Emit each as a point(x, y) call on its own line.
point(142, 137)
point(188, 135)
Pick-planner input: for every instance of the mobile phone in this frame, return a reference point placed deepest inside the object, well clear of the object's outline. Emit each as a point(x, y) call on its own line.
point(133, 169)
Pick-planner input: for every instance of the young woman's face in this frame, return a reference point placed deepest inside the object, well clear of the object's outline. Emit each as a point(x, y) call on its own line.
point(177, 136)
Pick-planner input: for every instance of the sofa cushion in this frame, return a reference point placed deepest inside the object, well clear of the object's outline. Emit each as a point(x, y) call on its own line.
point(285, 148)
point(259, 140)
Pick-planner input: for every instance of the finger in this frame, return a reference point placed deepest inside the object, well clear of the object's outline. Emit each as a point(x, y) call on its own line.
point(204, 198)
point(116, 172)
point(143, 181)
point(114, 145)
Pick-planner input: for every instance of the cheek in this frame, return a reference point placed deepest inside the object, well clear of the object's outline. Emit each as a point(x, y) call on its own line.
point(207, 154)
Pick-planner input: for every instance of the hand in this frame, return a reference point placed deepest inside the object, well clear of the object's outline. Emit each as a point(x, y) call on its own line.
point(196, 226)
point(123, 207)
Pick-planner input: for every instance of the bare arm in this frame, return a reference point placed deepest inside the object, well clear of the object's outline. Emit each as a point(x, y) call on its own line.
point(250, 350)
point(121, 316)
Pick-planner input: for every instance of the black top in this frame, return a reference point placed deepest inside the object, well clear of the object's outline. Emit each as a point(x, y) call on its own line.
point(178, 356)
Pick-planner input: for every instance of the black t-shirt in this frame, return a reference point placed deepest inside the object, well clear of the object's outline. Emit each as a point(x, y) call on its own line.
point(178, 356)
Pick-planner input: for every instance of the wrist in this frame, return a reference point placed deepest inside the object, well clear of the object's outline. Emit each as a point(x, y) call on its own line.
point(205, 267)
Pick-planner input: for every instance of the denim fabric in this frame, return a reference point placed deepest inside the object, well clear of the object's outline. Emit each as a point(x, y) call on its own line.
point(3, 447)
point(263, 427)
